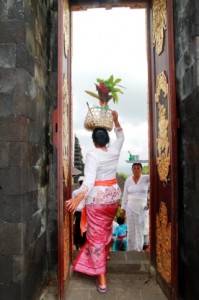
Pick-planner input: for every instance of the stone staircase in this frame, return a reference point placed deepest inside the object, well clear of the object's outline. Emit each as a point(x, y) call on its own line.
point(128, 262)
point(128, 278)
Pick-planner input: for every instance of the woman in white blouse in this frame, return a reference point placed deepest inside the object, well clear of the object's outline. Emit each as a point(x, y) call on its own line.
point(100, 193)
point(134, 205)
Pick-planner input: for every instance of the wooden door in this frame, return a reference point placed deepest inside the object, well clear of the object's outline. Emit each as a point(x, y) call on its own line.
point(163, 139)
point(62, 140)
point(163, 146)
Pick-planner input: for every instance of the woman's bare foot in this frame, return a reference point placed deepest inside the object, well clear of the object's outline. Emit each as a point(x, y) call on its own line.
point(102, 284)
point(102, 280)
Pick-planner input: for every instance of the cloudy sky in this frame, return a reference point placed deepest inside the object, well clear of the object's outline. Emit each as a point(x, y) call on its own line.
point(107, 42)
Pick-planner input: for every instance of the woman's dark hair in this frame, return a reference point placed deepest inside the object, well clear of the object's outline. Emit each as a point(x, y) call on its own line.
point(137, 164)
point(100, 137)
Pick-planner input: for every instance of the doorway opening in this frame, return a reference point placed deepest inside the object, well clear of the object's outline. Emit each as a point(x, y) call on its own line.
point(104, 43)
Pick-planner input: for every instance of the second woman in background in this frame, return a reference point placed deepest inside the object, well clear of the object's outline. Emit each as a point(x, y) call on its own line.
point(134, 205)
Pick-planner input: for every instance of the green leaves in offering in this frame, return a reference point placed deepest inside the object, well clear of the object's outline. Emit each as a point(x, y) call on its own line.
point(107, 89)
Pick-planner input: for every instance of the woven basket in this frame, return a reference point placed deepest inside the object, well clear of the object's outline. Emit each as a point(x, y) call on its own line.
point(99, 116)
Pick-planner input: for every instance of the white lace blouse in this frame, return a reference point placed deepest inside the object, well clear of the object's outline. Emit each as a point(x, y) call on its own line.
point(102, 165)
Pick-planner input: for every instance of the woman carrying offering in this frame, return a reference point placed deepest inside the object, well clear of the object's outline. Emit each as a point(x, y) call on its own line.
point(101, 194)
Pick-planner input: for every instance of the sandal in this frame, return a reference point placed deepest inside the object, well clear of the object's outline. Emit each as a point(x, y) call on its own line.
point(102, 290)
point(102, 284)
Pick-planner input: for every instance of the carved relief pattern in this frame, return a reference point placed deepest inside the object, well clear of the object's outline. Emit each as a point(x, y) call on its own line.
point(162, 85)
point(66, 25)
point(163, 155)
point(163, 243)
point(131, 5)
point(141, 4)
point(159, 24)
point(137, 5)
point(66, 245)
point(65, 137)
point(65, 171)
point(65, 127)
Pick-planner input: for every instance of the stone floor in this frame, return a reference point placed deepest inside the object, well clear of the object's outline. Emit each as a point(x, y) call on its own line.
point(120, 287)
point(128, 279)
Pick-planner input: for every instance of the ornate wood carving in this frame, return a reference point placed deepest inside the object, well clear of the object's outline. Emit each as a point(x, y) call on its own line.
point(159, 24)
point(65, 127)
point(65, 137)
point(138, 5)
point(163, 243)
point(161, 85)
point(65, 172)
point(82, 5)
point(163, 155)
point(66, 245)
point(66, 26)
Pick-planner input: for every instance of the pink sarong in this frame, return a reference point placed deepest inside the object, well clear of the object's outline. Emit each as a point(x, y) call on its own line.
point(91, 259)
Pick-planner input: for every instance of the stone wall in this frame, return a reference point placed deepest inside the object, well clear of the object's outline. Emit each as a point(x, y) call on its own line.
point(187, 79)
point(27, 96)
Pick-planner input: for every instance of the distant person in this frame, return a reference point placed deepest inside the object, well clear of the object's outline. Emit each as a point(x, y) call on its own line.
point(134, 205)
point(146, 224)
point(120, 243)
point(101, 194)
point(114, 225)
point(79, 239)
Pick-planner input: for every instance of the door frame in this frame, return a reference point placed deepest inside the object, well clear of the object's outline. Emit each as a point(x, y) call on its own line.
point(63, 184)
point(80, 5)
point(170, 290)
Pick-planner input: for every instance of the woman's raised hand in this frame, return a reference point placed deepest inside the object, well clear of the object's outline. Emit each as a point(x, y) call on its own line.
point(115, 118)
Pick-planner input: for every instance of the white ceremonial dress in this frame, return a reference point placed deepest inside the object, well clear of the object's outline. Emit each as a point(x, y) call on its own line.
point(134, 202)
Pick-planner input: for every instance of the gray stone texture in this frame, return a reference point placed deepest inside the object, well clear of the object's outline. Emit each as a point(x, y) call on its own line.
point(186, 23)
point(15, 243)
point(4, 150)
point(8, 56)
point(12, 31)
point(18, 268)
point(13, 129)
point(14, 180)
point(11, 291)
point(6, 265)
point(15, 10)
point(18, 154)
point(25, 41)
point(6, 101)
point(24, 59)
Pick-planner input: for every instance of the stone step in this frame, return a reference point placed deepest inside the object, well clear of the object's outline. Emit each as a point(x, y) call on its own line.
point(128, 262)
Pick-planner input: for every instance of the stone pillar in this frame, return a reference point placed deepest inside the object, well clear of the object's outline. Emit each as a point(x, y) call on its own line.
point(187, 79)
point(24, 146)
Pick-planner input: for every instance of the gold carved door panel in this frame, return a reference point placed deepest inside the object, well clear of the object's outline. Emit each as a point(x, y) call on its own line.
point(62, 133)
point(163, 147)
